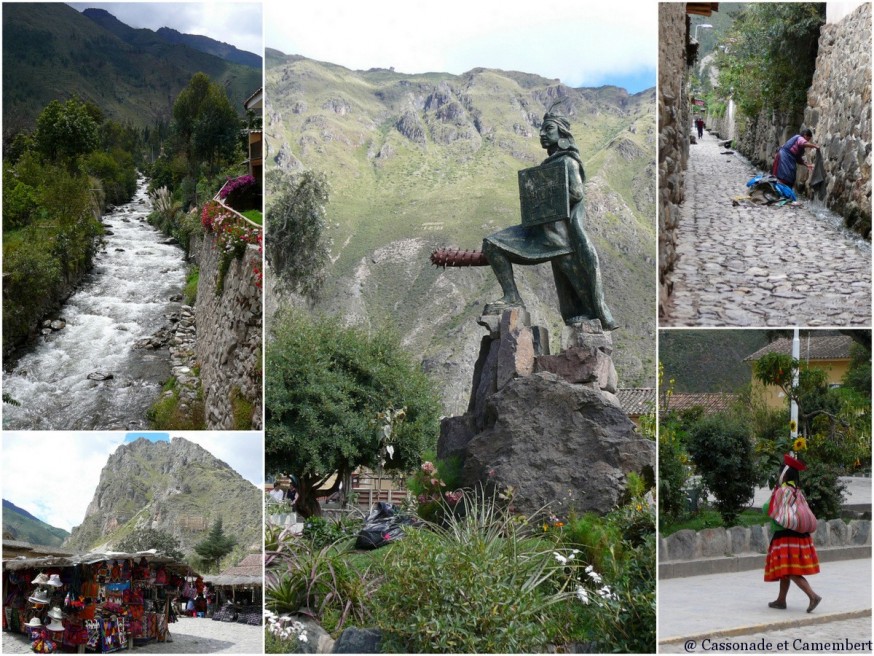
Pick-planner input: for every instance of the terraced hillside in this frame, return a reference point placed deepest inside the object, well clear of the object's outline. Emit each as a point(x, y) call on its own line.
point(421, 161)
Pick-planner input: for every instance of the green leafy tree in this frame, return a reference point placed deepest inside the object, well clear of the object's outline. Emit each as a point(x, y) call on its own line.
point(858, 376)
point(298, 248)
point(144, 539)
point(66, 131)
point(207, 127)
point(216, 545)
point(327, 389)
point(722, 450)
point(770, 55)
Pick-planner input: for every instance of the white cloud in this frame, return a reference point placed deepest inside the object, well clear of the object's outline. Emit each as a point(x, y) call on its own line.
point(237, 23)
point(53, 475)
point(580, 42)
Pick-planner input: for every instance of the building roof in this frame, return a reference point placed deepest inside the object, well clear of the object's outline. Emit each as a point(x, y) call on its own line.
point(255, 101)
point(812, 348)
point(151, 556)
point(249, 571)
point(636, 401)
point(709, 401)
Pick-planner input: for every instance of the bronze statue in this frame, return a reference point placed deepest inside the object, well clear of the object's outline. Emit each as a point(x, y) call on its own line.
point(553, 214)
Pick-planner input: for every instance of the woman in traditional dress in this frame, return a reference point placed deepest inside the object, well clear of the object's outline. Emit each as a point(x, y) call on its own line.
point(791, 555)
point(790, 155)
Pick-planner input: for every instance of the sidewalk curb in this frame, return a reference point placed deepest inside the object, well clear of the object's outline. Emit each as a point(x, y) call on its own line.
point(746, 562)
point(770, 626)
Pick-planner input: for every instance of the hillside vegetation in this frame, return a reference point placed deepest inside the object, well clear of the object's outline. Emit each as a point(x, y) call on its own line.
point(21, 525)
point(416, 162)
point(708, 360)
point(51, 51)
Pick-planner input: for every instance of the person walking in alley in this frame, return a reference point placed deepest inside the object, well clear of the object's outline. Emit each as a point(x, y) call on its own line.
point(791, 554)
point(699, 123)
point(790, 155)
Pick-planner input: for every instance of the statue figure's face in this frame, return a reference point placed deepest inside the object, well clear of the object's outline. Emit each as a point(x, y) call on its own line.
point(549, 134)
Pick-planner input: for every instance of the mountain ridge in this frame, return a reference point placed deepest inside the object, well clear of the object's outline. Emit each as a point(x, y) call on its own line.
point(178, 487)
point(431, 160)
point(53, 52)
point(24, 526)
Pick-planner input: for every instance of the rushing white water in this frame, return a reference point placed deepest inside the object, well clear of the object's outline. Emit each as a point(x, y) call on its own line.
point(124, 298)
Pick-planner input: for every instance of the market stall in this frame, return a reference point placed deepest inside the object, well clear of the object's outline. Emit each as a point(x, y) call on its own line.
point(99, 602)
point(239, 591)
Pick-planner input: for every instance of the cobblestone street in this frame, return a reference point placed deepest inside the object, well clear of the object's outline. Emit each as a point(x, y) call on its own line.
point(744, 265)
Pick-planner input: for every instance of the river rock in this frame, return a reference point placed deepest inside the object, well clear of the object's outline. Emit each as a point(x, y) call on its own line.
point(100, 375)
point(176, 298)
point(58, 324)
point(556, 444)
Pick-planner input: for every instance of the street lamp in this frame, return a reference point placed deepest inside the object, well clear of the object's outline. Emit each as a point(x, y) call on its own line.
point(706, 26)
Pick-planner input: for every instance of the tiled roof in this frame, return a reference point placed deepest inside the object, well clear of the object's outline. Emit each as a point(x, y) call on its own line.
point(36, 548)
point(711, 402)
point(636, 401)
point(812, 348)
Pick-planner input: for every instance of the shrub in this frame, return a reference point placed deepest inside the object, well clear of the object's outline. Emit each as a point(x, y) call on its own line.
point(476, 586)
point(823, 490)
point(322, 582)
point(322, 532)
point(672, 473)
point(721, 448)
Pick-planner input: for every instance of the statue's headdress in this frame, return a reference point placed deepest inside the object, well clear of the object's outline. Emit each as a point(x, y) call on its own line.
point(567, 139)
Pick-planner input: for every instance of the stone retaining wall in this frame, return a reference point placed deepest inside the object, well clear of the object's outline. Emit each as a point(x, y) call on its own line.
point(229, 338)
point(839, 113)
point(674, 129)
point(738, 540)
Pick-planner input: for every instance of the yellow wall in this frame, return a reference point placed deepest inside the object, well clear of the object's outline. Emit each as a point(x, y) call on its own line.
point(835, 370)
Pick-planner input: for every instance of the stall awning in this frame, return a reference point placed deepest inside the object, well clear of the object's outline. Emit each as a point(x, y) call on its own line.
point(151, 556)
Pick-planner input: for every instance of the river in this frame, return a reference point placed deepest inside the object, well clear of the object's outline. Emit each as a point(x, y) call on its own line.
point(124, 298)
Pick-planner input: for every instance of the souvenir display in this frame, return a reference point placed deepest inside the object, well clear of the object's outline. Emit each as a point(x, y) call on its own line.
point(101, 605)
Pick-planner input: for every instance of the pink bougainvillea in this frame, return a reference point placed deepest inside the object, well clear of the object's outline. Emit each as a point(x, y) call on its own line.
point(234, 184)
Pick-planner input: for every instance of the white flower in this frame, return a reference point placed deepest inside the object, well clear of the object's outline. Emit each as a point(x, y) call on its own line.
point(575, 551)
point(590, 568)
point(572, 556)
point(582, 594)
point(594, 576)
point(561, 559)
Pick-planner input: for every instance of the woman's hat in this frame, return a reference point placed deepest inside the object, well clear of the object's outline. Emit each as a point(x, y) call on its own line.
point(39, 597)
point(797, 465)
point(55, 581)
point(34, 623)
point(41, 579)
point(55, 625)
point(56, 613)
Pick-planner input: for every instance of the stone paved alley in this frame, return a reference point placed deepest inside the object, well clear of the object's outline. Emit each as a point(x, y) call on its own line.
point(743, 265)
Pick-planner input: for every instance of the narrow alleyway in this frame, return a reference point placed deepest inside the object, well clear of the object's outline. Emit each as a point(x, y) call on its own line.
point(743, 265)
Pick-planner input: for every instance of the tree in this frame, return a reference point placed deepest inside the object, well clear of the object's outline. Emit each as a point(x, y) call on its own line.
point(328, 390)
point(298, 248)
point(770, 55)
point(206, 123)
point(65, 131)
point(216, 545)
point(144, 539)
point(722, 450)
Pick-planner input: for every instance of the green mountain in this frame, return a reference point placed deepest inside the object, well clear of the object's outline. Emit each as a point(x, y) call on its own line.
point(417, 162)
point(51, 51)
point(175, 486)
point(21, 525)
point(708, 360)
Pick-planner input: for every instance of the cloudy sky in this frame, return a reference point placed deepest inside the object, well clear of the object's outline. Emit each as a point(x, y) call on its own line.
point(582, 43)
point(237, 23)
point(53, 475)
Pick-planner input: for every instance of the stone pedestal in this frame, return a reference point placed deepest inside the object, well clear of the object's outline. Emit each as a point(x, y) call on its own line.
point(547, 425)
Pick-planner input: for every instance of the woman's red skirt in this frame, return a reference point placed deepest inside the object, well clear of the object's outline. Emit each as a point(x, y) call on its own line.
point(791, 554)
